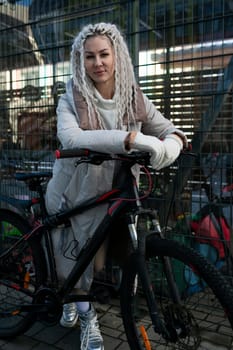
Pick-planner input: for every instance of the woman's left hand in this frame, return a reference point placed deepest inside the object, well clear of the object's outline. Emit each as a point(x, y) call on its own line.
point(173, 145)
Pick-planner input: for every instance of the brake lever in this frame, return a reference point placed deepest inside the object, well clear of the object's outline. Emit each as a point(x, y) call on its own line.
point(80, 161)
point(93, 159)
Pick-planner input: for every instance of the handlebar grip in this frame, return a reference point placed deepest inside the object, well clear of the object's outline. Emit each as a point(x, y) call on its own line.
point(71, 153)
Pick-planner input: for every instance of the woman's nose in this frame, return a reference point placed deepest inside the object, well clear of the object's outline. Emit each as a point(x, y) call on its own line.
point(98, 61)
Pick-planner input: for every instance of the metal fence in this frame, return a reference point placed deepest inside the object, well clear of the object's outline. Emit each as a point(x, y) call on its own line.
point(182, 54)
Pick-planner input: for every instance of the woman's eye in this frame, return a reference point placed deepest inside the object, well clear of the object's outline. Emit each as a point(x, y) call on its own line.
point(90, 57)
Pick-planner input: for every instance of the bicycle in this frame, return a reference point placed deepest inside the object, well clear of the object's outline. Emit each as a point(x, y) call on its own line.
point(155, 308)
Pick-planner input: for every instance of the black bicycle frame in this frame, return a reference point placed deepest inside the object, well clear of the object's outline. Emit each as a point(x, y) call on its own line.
point(118, 199)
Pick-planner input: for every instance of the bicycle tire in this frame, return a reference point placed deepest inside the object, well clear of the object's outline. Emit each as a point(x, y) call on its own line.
point(24, 267)
point(205, 311)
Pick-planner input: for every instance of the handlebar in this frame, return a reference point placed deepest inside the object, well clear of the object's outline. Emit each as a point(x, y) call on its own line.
point(71, 153)
point(94, 157)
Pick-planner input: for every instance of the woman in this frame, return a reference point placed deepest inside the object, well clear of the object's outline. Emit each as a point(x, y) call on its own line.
point(103, 109)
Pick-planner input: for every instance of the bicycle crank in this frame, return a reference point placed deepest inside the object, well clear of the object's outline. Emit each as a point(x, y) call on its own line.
point(51, 307)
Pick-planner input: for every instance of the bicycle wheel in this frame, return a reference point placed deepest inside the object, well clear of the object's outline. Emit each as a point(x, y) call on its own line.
point(22, 270)
point(205, 318)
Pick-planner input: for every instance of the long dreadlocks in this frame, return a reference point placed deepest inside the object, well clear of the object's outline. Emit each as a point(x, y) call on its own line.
point(125, 82)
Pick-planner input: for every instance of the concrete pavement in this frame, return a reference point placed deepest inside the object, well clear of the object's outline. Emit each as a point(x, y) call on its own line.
point(43, 337)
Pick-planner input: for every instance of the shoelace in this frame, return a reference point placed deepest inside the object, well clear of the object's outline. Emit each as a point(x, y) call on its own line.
point(91, 332)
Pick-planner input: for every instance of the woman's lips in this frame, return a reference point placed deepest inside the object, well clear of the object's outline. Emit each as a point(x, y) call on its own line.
point(100, 72)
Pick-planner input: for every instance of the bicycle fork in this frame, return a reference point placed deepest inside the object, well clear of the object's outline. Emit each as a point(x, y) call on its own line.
point(139, 245)
point(138, 234)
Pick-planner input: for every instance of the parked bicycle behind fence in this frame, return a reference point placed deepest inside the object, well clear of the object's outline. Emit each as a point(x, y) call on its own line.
point(209, 227)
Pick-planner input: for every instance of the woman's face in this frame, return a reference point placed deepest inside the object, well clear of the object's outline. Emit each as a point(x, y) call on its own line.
point(99, 60)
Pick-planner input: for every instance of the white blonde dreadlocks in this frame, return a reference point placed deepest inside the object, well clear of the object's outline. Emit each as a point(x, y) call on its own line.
point(125, 83)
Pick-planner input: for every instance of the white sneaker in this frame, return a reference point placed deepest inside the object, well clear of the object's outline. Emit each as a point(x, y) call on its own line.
point(70, 315)
point(90, 336)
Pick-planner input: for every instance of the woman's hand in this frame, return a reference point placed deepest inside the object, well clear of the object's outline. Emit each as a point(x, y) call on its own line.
point(173, 145)
point(163, 153)
point(152, 145)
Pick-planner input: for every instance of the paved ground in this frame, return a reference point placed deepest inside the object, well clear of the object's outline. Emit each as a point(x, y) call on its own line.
point(41, 337)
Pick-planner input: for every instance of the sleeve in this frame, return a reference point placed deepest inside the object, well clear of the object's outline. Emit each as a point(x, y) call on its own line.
point(71, 135)
point(159, 126)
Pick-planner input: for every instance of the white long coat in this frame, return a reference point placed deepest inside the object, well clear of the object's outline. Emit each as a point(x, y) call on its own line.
point(72, 185)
